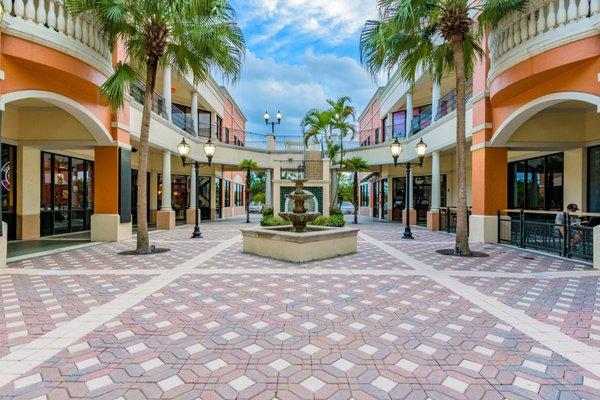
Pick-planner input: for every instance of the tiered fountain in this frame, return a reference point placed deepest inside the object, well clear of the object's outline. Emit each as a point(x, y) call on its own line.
point(299, 242)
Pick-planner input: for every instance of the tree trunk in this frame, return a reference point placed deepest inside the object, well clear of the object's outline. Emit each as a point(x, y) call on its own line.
point(248, 178)
point(334, 189)
point(462, 216)
point(143, 239)
point(356, 197)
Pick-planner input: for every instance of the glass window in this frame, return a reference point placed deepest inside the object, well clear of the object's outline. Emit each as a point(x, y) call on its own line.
point(46, 200)
point(365, 194)
point(9, 188)
point(204, 120)
point(399, 124)
point(594, 179)
point(536, 183)
point(227, 193)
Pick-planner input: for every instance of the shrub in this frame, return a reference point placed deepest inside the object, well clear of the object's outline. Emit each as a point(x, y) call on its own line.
point(335, 211)
point(332, 220)
point(267, 211)
point(270, 220)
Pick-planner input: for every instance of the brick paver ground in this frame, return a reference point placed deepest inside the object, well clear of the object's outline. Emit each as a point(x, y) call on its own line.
point(206, 321)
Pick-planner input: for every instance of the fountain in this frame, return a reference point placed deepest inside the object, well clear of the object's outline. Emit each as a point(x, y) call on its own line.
point(299, 242)
point(299, 217)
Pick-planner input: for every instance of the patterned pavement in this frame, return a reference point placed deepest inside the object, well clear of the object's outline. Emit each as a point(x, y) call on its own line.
point(206, 321)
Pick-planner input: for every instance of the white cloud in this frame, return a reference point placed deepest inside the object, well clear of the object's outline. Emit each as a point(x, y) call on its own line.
point(331, 20)
point(268, 84)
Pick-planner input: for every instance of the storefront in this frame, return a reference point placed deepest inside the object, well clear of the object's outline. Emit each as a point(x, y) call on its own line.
point(421, 189)
point(66, 194)
point(593, 189)
point(180, 197)
point(537, 183)
point(8, 172)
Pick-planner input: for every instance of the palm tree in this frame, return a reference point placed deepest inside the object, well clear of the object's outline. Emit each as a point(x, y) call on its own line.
point(192, 36)
point(248, 165)
point(356, 165)
point(317, 125)
point(436, 36)
point(344, 117)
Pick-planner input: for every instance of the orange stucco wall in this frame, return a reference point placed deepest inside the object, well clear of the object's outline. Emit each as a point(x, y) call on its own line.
point(30, 66)
point(235, 121)
point(369, 122)
point(106, 180)
point(572, 67)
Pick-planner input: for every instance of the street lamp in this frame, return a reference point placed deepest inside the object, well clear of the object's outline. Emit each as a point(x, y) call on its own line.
point(421, 149)
point(268, 121)
point(183, 149)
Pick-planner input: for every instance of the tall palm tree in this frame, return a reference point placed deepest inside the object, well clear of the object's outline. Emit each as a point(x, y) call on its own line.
point(343, 121)
point(248, 166)
point(317, 125)
point(436, 36)
point(356, 165)
point(192, 36)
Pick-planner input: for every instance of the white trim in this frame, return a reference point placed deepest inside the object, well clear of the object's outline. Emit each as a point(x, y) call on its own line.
point(121, 126)
point(549, 40)
point(57, 41)
point(88, 119)
point(526, 111)
point(480, 127)
point(479, 96)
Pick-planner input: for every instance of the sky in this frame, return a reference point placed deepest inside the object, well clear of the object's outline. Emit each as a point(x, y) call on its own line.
point(300, 53)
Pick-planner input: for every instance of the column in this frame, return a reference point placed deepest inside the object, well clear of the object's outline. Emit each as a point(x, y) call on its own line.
point(195, 112)
point(165, 218)
point(268, 188)
point(28, 192)
point(433, 215)
point(409, 112)
point(190, 216)
point(276, 186)
point(575, 178)
point(435, 100)
point(153, 193)
point(111, 221)
point(390, 199)
point(167, 90)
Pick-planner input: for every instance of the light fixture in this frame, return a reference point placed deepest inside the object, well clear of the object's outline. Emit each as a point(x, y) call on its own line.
point(396, 149)
point(267, 117)
point(183, 149)
point(209, 150)
point(279, 116)
point(421, 148)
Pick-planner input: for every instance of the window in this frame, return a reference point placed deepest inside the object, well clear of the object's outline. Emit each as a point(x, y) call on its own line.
point(536, 183)
point(219, 133)
point(204, 120)
point(227, 193)
point(238, 199)
point(399, 124)
point(376, 135)
point(383, 129)
point(8, 173)
point(226, 135)
point(594, 179)
point(67, 194)
point(365, 191)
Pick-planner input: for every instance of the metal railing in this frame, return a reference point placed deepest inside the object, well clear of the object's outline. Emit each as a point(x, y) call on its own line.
point(137, 91)
point(447, 219)
point(566, 234)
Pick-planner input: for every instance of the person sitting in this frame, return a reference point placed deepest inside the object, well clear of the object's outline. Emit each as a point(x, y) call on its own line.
point(576, 235)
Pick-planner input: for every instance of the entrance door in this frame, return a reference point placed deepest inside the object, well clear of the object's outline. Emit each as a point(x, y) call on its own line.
point(204, 196)
point(384, 196)
point(398, 198)
point(376, 199)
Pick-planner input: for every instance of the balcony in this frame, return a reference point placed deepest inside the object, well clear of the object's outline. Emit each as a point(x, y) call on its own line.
point(48, 23)
point(544, 25)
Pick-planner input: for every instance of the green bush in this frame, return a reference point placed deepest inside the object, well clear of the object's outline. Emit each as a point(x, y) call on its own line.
point(335, 211)
point(267, 212)
point(332, 220)
point(270, 220)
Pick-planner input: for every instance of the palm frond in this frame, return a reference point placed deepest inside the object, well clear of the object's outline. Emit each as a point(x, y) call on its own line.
point(116, 85)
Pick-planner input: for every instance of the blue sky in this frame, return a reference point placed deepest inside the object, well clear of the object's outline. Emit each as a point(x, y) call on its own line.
point(300, 52)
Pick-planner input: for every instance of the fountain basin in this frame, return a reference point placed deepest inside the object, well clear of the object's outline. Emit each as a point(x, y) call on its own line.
point(317, 243)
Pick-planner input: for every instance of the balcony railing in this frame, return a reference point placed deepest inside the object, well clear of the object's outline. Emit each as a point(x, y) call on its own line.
point(49, 23)
point(543, 25)
point(447, 219)
point(137, 91)
point(539, 230)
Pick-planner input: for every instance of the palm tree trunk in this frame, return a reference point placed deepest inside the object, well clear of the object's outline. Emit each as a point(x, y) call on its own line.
point(462, 217)
point(333, 202)
point(356, 197)
point(248, 178)
point(143, 239)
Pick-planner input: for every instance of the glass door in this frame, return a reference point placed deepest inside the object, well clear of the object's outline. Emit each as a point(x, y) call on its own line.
point(398, 198)
point(384, 199)
point(204, 196)
point(376, 199)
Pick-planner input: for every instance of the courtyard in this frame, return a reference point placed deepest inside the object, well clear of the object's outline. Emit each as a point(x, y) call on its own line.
point(206, 321)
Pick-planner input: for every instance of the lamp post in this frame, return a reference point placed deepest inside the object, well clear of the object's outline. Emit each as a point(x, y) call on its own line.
point(183, 149)
point(396, 148)
point(268, 121)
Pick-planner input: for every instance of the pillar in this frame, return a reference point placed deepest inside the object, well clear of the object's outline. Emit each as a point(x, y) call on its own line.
point(575, 178)
point(276, 186)
point(268, 188)
point(390, 199)
point(165, 218)
point(433, 215)
point(153, 193)
point(409, 112)
point(195, 112)
point(166, 93)
point(190, 216)
point(435, 100)
point(271, 143)
point(489, 180)
point(213, 196)
point(111, 221)
point(28, 192)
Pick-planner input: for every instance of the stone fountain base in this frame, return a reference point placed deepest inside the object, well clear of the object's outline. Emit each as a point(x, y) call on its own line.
point(316, 244)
